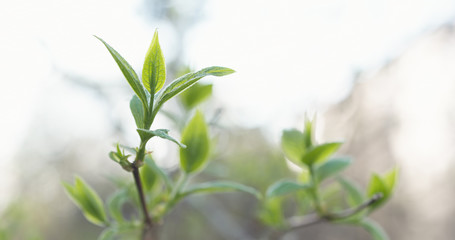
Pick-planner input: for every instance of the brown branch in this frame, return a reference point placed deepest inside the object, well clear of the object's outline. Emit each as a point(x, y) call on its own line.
point(148, 225)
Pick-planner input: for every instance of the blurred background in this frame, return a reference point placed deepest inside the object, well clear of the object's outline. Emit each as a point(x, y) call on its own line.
point(379, 74)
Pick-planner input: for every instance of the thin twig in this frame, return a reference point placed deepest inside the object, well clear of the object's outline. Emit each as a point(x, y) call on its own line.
point(147, 220)
point(311, 219)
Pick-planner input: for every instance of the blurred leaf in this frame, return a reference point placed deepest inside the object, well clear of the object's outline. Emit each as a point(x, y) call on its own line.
point(88, 201)
point(304, 176)
point(183, 82)
point(271, 212)
point(148, 177)
point(162, 133)
point(331, 167)
point(195, 95)
point(137, 110)
point(154, 70)
point(195, 136)
point(108, 234)
point(128, 72)
point(308, 134)
point(376, 231)
point(354, 195)
point(320, 153)
point(163, 175)
point(376, 186)
point(115, 203)
point(293, 144)
point(220, 186)
point(390, 180)
point(284, 187)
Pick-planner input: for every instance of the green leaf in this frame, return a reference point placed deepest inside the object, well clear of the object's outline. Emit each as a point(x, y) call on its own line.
point(148, 177)
point(331, 167)
point(390, 179)
point(183, 82)
point(162, 133)
point(320, 153)
point(128, 72)
point(308, 134)
point(137, 109)
point(293, 144)
point(195, 95)
point(284, 187)
point(163, 175)
point(354, 195)
point(115, 203)
point(220, 186)
point(376, 231)
point(88, 201)
point(195, 136)
point(377, 186)
point(154, 70)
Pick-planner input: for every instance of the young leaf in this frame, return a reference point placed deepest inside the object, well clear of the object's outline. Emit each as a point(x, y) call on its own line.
point(162, 133)
point(220, 186)
point(376, 231)
point(195, 95)
point(128, 72)
point(148, 177)
point(88, 201)
point(163, 175)
point(293, 144)
point(284, 187)
point(331, 167)
point(183, 82)
point(390, 179)
point(308, 134)
point(115, 203)
point(377, 185)
point(154, 70)
point(195, 136)
point(320, 153)
point(137, 109)
point(354, 195)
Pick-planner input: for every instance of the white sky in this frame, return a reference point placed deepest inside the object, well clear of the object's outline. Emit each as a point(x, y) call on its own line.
point(290, 56)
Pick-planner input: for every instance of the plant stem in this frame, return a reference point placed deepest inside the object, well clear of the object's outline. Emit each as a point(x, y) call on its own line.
point(315, 191)
point(147, 220)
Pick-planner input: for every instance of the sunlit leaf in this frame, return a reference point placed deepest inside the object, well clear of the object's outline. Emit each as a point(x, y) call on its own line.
point(154, 70)
point(390, 179)
point(137, 109)
point(284, 187)
point(88, 201)
point(195, 136)
point(128, 72)
point(183, 82)
point(320, 153)
point(377, 186)
point(220, 186)
point(331, 167)
point(308, 133)
point(162, 133)
point(293, 144)
point(195, 95)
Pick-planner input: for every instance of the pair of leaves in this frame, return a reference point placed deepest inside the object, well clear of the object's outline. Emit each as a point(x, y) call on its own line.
point(88, 201)
point(382, 184)
point(295, 146)
point(153, 78)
